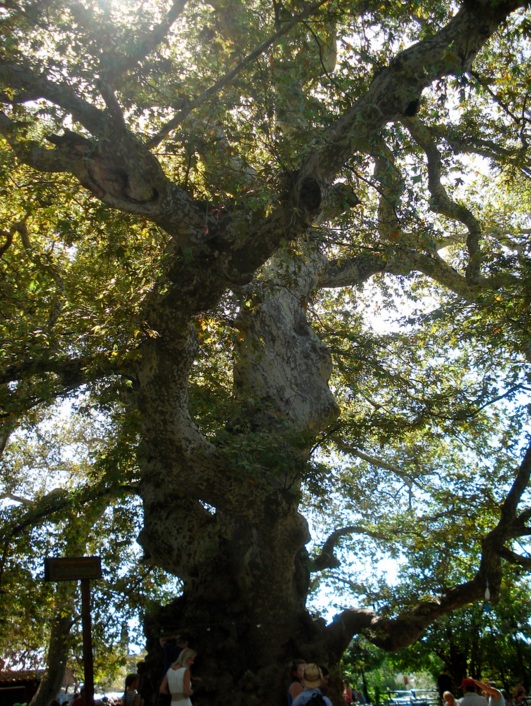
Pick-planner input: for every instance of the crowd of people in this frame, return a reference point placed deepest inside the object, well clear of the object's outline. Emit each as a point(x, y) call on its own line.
point(308, 685)
point(480, 693)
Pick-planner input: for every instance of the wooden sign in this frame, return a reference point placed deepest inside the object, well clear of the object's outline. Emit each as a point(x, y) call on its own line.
point(74, 568)
point(79, 568)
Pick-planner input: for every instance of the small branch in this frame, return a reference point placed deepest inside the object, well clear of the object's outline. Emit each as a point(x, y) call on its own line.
point(16, 498)
point(19, 227)
point(381, 463)
point(516, 559)
point(326, 558)
point(485, 84)
point(8, 235)
point(149, 42)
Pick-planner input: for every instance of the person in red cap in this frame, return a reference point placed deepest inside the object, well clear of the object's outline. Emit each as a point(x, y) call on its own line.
point(470, 695)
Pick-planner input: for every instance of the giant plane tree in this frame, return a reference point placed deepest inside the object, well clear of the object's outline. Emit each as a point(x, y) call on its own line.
point(209, 210)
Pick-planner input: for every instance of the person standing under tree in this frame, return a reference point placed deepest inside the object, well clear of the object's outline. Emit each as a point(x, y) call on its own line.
point(470, 695)
point(347, 692)
point(131, 696)
point(297, 672)
point(312, 682)
point(490, 692)
point(177, 680)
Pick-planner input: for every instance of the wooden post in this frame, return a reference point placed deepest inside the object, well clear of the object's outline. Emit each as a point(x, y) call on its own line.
point(81, 569)
point(88, 657)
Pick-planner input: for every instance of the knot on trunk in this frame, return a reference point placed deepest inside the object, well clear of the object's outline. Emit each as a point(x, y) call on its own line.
point(308, 199)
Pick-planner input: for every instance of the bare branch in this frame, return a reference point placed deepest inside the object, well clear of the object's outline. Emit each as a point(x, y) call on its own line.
point(520, 121)
point(16, 498)
point(382, 463)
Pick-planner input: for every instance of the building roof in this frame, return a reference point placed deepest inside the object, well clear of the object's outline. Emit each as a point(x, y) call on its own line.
point(8, 677)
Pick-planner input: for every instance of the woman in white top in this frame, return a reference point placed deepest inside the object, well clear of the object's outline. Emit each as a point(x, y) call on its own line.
point(177, 680)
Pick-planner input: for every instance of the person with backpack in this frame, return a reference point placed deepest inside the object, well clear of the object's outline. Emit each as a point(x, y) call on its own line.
point(312, 682)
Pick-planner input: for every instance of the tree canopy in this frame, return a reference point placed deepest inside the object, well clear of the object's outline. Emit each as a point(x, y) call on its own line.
point(278, 254)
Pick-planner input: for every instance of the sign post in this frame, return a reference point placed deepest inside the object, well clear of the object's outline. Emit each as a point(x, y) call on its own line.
point(81, 568)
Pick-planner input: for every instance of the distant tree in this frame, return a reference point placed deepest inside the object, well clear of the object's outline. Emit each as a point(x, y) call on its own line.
point(210, 212)
point(42, 617)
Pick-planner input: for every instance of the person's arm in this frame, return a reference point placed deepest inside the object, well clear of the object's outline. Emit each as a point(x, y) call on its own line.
point(295, 689)
point(164, 688)
point(187, 686)
point(490, 690)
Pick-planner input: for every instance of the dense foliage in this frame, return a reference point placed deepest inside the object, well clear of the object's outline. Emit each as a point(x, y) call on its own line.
point(263, 263)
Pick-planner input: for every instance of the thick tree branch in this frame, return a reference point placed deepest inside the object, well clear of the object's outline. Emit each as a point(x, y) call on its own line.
point(403, 261)
point(448, 51)
point(473, 144)
point(120, 172)
point(31, 86)
point(71, 372)
point(391, 186)
point(353, 271)
point(59, 500)
point(441, 203)
point(395, 633)
point(525, 516)
point(516, 559)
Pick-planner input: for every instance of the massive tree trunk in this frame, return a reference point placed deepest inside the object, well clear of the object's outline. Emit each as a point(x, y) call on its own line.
point(221, 504)
point(244, 565)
